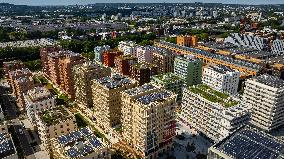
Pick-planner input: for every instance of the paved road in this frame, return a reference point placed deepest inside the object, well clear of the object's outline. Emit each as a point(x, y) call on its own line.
point(18, 132)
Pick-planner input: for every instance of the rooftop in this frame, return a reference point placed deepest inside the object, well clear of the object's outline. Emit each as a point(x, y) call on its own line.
point(55, 115)
point(158, 96)
point(79, 143)
point(39, 93)
point(167, 78)
point(142, 89)
point(221, 69)
point(187, 58)
point(213, 95)
point(269, 80)
point(250, 143)
point(143, 65)
point(126, 57)
point(6, 145)
point(115, 81)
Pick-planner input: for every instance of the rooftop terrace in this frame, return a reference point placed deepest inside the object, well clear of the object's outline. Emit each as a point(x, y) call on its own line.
point(39, 93)
point(55, 115)
point(269, 80)
point(6, 145)
point(249, 143)
point(115, 81)
point(167, 77)
point(79, 143)
point(213, 95)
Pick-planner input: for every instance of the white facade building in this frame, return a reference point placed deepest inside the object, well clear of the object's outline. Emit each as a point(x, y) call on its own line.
point(144, 54)
point(265, 94)
point(213, 113)
point(128, 48)
point(221, 78)
point(37, 100)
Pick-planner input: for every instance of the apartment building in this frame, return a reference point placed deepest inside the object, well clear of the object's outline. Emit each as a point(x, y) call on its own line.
point(37, 100)
point(99, 52)
point(221, 78)
point(123, 63)
point(128, 48)
point(12, 66)
point(21, 81)
point(265, 95)
point(164, 59)
point(83, 75)
point(1, 114)
point(247, 143)
point(109, 57)
point(148, 120)
point(187, 40)
point(189, 69)
point(7, 147)
point(80, 144)
point(44, 56)
point(53, 123)
point(66, 75)
point(53, 66)
point(107, 99)
point(170, 82)
point(142, 72)
point(213, 113)
point(144, 54)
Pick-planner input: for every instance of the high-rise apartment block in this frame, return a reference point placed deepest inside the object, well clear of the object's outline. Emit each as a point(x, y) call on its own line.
point(107, 99)
point(109, 56)
point(99, 50)
point(142, 72)
point(80, 144)
point(144, 54)
point(148, 119)
point(12, 66)
point(213, 113)
point(221, 78)
point(170, 82)
point(265, 93)
point(187, 40)
point(123, 63)
point(53, 123)
point(44, 56)
point(83, 76)
point(164, 59)
point(7, 147)
point(128, 48)
point(189, 69)
point(37, 100)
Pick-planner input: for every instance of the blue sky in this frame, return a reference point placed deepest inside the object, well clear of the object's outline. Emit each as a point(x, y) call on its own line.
point(66, 2)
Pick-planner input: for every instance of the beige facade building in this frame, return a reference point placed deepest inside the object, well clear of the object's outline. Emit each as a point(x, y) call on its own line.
point(83, 75)
point(53, 123)
point(107, 99)
point(265, 94)
point(148, 119)
point(80, 144)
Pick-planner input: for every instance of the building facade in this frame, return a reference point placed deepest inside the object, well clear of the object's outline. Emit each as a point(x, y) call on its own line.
point(189, 69)
point(123, 63)
point(213, 113)
point(128, 48)
point(144, 54)
point(142, 72)
point(99, 52)
point(265, 93)
point(148, 120)
point(109, 57)
point(187, 40)
point(164, 60)
point(221, 78)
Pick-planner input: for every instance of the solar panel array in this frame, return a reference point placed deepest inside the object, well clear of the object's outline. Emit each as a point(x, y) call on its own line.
point(73, 139)
point(138, 90)
point(270, 81)
point(153, 97)
point(115, 81)
point(249, 144)
point(215, 56)
point(6, 146)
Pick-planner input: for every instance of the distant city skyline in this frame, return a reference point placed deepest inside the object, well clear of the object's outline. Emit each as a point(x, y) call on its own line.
point(82, 2)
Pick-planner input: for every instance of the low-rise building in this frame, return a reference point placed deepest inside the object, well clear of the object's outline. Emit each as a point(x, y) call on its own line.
point(107, 99)
point(189, 69)
point(123, 63)
point(221, 78)
point(247, 143)
point(142, 72)
point(148, 120)
point(37, 100)
point(53, 123)
point(265, 95)
point(99, 52)
point(7, 147)
point(80, 144)
point(170, 82)
point(83, 75)
point(213, 113)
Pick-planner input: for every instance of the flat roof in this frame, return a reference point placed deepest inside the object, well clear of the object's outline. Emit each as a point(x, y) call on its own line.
point(39, 93)
point(115, 81)
point(138, 90)
point(270, 80)
point(167, 77)
point(158, 96)
point(80, 143)
point(6, 145)
point(55, 115)
point(221, 69)
point(250, 143)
